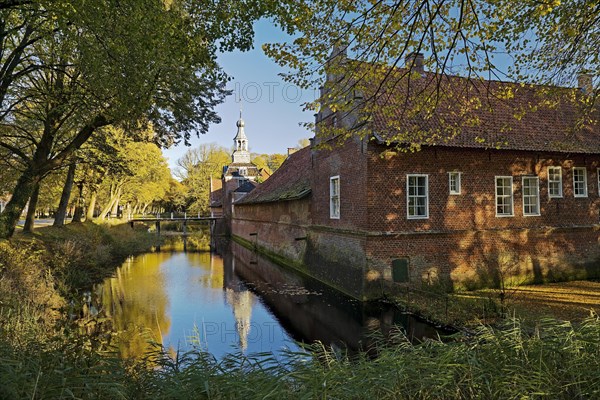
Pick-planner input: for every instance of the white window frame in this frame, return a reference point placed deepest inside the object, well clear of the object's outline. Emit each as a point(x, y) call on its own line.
point(559, 181)
point(585, 184)
point(535, 196)
point(408, 196)
point(334, 197)
point(458, 182)
point(496, 196)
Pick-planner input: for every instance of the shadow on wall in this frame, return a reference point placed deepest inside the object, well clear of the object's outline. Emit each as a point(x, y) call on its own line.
point(338, 260)
point(508, 258)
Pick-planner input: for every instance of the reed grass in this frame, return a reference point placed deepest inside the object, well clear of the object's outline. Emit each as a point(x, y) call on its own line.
point(43, 356)
point(557, 360)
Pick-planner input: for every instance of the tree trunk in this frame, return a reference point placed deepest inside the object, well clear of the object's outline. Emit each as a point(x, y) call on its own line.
point(78, 214)
point(90, 211)
point(115, 208)
point(61, 213)
point(30, 219)
point(22, 192)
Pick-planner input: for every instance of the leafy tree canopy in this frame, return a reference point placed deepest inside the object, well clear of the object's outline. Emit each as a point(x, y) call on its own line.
point(530, 41)
point(70, 67)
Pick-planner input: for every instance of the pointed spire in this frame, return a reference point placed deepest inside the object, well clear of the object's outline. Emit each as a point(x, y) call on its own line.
point(240, 142)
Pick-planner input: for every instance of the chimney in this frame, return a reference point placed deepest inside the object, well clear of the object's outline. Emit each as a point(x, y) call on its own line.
point(415, 62)
point(291, 150)
point(339, 50)
point(584, 82)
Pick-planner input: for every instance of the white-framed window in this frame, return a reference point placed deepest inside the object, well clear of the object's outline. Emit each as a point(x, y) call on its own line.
point(504, 196)
point(531, 195)
point(334, 197)
point(417, 196)
point(580, 182)
point(555, 182)
point(454, 182)
point(243, 171)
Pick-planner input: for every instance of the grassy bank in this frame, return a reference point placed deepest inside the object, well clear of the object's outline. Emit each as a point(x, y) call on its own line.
point(557, 361)
point(43, 355)
point(42, 274)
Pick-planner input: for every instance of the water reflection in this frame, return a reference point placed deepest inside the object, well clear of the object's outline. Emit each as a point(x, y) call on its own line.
point(235, 301)
point(137, 303)
point(181, 299)
point(311, 311)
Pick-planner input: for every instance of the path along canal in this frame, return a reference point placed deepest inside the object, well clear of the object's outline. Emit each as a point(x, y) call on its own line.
point(236, 300)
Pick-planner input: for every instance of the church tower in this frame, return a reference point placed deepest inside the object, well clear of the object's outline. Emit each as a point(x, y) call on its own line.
point(241, 168)
point(240, 155)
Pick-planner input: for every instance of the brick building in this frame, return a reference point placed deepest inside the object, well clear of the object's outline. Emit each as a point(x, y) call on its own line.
point(513, 198)
point(240, 177)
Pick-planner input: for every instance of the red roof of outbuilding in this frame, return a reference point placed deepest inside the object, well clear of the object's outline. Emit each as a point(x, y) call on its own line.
point(291, 181)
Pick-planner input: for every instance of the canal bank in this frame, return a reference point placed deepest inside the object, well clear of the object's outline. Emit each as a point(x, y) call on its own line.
point(40, 362)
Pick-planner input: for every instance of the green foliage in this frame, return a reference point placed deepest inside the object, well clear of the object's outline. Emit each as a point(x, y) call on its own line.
point(68, 69)
point(268, 162)
point(542, 42)
point(548, 40)
point(196, 168)
point(557, 361)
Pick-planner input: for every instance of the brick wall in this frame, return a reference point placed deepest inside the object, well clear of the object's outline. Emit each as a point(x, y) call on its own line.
point(285, 229)
point(474, 208)
point(463, 242)
point(349, 162)
point(275, 226)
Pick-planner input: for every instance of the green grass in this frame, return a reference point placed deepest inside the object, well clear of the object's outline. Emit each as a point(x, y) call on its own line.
point(44, 355)
point(556, 361)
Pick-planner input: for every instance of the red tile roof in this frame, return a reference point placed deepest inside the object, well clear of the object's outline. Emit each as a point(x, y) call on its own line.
point(484, 114)
point(291, 181)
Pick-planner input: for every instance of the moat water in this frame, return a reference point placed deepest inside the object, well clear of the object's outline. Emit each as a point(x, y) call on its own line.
point(235, 301)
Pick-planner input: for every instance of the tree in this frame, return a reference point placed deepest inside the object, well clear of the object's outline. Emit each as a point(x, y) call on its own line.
point(71, 68)
point(141, 178)
point(196, 168)
point(268, 162)
point(261, 162)
point(302, 143)
point(545, 42)
point(152, 178)
point(275, 160)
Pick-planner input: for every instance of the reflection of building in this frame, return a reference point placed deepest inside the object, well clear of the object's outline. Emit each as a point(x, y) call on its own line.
point(513, 192)
point(239, 297)
point(241, 302)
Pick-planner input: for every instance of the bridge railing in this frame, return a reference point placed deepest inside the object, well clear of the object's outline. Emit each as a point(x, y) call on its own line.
point(170, 215)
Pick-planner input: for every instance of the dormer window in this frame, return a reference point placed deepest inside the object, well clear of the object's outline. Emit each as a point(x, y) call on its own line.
point(243, 171)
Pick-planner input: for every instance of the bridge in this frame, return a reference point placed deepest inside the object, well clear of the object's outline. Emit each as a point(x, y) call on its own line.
point(172, 218)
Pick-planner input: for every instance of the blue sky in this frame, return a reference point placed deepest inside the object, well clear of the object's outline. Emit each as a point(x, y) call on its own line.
point(272, 108)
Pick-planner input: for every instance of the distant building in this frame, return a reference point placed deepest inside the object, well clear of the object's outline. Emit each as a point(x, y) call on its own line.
point(462, 212)
point(240, 177)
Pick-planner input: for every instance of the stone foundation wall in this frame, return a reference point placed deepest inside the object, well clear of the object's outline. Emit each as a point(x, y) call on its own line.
point(474, 259)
